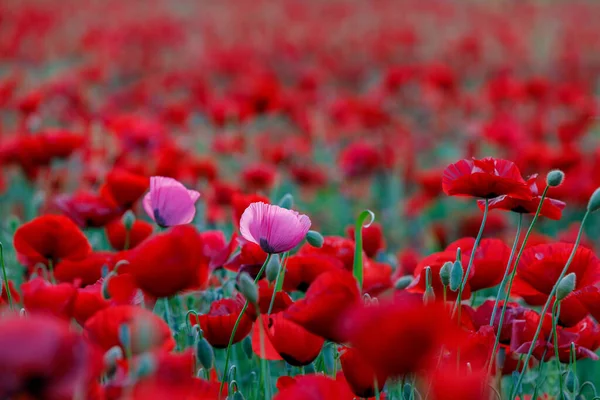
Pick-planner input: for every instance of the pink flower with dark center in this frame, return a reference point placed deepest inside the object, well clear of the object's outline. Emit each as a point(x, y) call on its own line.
point(169, 203)
point(273, 228)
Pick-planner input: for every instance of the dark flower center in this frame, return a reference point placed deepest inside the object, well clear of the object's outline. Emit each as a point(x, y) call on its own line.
point(266, 247)
point(159, 219)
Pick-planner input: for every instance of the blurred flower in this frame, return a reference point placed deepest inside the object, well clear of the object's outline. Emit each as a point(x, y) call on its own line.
point(217, 324)
point(40, 296)
point(117, 234)
point(373, 239)
point(169, 203)
point(359, 374)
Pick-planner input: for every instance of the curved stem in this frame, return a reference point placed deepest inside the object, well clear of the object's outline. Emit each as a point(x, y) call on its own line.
point(471, 259)
point(358, 246)
point(5, 277)
point(549, 301)
point(235, 326)
point(512, 278)
point(555, 315)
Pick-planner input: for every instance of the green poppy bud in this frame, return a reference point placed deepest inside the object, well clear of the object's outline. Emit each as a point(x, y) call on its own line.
point(287, 201)
point(247, 287)
point(402, 283)
point(594, 203)
point(204, 353)
point(456, 276)
point(555, 178)
point(565, 286)
point(315, 239)
point(445, 273)
point(128, 219)
point(273, 267)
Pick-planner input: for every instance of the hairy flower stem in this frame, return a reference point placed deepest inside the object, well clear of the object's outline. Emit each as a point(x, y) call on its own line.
point(512, 278)
point(555, 315)
point(548, 302)
point(235, 326)
point(5, 278)
point(471, 259)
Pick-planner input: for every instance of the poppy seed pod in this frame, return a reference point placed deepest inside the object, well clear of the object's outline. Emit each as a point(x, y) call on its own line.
point(247, 287)
point(594, 203)
point(445, 273)
point(456, 276)
point(287, 201)
point(565, 286)
point(315, 239)
point(204, 353)
point(128, 219)
point(555, 178)
point(403, 282)
point(146, 365)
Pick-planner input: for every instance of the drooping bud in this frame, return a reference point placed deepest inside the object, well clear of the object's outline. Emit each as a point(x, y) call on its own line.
point(273, 267)
point(247, 287)
point(594, 203)
point(315, 239)
point(204, 353)
point(456, 276)
point(445, 273)
point(555, 178)
point(402, 283)
point(565, 286)
point(287, 201)
point(128, 219)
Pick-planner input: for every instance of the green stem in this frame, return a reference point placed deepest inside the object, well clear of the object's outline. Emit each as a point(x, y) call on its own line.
point(472, 258)
point(510, 259)
point(512, 278)
point(278, 283)
point(235, 326)
point(263, 361)
point(549, 301)
point(555, 315)
point(358, 245)
point(5, 277)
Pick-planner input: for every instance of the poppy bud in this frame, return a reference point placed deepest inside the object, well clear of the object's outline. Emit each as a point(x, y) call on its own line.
point(565, 286)
point(111, 357)
point(594, 203)
point(128, 219)
point(287, 201)
point(458, 254)
point(315, 239)
point(273, 268)
point(445, 273)
point(247, 287)
point(247, 347)
point(204, 353)
point(146, 365)
point(429, 296)
point(403, 282)
point(456, 276)
point(237, 396)
point(555, 178)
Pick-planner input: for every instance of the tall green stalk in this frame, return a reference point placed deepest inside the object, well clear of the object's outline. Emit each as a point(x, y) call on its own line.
point(358, 244)
point(5, 277)
point(548, 302)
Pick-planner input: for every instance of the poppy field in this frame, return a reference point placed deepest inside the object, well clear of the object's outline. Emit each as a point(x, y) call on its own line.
point(289, 200)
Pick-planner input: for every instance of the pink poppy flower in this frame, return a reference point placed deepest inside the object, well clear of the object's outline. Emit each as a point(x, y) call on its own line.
point(273, 228)
point(169, 203)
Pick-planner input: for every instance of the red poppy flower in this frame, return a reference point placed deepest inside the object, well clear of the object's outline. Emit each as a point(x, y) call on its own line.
point(87, 209)
point(308, 176)
point(169, 263)
point(289, 340)
point(481, 317)
point(451, 384)
point(217, 324)
point(540, 267)
point(408, 259)
point(551, 208)
point(486, 178)
point(331, 295)
point(40, 296)
point(359, 374)
point(203, 168)
point(302, 270)
point(50, 238)
point(118, 236)
point(61, 144)
point(250, 259)
point(259, 177)
point(314, 387)
point(88, 302)
point(265, 293)
point(333, 246)
point(489, 264)
point(373, 239)
point(360, 159)
point(408, 336)
point(124, 188)
point(147, 330)
point(377, 277)
point(86, 271)
point(43, 359)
